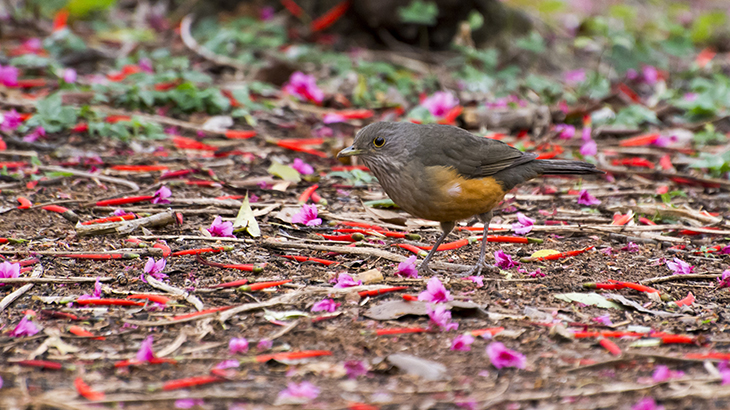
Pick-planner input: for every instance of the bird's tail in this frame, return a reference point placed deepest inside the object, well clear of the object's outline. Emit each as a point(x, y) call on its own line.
point(563, 167)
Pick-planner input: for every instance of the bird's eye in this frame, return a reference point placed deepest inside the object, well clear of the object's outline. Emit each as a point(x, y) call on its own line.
point(379, 141)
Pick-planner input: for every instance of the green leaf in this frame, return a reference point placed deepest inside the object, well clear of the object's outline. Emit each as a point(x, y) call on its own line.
point(475, 19)
point(533, 42)
point(284, 172)
point(245, 219)
point(635, 115)
point(707, 24)
point(591, 299)
point(81, 8)
point(419, 12)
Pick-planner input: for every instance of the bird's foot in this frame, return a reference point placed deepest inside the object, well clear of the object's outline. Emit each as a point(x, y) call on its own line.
point(477, 269)
point(425, 270)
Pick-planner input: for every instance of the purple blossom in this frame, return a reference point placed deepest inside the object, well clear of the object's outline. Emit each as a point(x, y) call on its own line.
point(302, 392)
point(574, 77)
point(228, 364)
point(1, 382)
point(34, 136)
point(10, 121)
point(565, 131)
point(650, 74)
point(238, 345)
point(604, 320)
point(407, 268)
point(307, 216)
point(589, 148)
point(647, 403)
point(355, 368)
point(506, 102)
point(25, 327)
point(501, 357)
point(346, 281)
point(267, 13)
point(585, 198)
point(725, 250)
point(33, 44)
point(536, 274)
point(441, 317)
point(221, 229)
point(662, 374)
point(587, 131)
point(435, 292)
point(9, 76)
point(188, 403)
point(69, 75)
point(155, 268)
point(724, 372)
point(121, 212)
point(440, 103)
point(523, 225)
point(724, 280)
point(631, 247)
point(689, 97)
point(478, 280)
point(264, 344)
point(631, 74)
point(161, 195)
point(680, 267)
point(146, 65)
point(145, 353)
point(462, 342)
point(469, 404)
point(97, 288)
point(302, 167)
point(503, 261)
point(304, 87)
point(325, 305)
point(9, 271)
point(331, 118)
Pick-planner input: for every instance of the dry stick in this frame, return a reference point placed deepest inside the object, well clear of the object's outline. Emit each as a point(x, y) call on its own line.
point(193, 45)
point(118, 181)
point(192, 299)
point(288, 328)
point(360, 251)
point(7, 300)
point(689, 276)
point(172, 347)
point(603, 164)
point(126, 227)
point(193, 238)
point(55, 280)
point(139, 251)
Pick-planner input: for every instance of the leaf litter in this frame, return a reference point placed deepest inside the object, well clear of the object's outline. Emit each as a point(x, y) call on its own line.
point(159, 155)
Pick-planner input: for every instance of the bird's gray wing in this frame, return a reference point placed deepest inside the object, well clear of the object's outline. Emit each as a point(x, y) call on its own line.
point(470, 155)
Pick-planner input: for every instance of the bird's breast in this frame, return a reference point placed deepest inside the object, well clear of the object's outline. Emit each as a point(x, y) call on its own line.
point(440, 193)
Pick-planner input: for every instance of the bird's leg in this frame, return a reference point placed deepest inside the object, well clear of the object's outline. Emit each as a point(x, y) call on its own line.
point(446, 227)
point(477, 269)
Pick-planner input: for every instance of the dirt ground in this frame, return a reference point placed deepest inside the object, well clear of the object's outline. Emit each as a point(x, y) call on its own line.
point(571, 374)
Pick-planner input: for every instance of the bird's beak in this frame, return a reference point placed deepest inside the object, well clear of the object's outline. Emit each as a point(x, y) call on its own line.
point(349, 152)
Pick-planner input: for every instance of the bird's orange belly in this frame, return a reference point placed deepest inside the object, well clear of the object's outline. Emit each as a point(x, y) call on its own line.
point(448, 196)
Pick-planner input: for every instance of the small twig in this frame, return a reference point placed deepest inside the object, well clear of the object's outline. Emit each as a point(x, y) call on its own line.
point(194, 238)
point(118, 181)
point(7, 300)
point(55, 280)
point(192, 299)
point(378, 253)
point(203, 52)
point(126, 227)
point(677, 278)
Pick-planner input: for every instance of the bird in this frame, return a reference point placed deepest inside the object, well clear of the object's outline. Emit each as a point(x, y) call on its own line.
point(444, 173)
